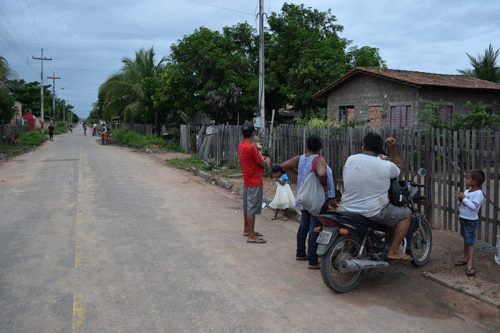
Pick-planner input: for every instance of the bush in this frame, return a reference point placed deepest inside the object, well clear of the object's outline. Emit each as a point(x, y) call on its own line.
point(32, 138)
point(137, 140)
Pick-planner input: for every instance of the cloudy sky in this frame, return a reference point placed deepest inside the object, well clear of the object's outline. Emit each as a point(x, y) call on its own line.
point(87, 39)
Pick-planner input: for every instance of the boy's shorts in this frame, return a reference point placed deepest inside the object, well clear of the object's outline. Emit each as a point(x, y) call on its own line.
point(252, 199)
point(468, 230)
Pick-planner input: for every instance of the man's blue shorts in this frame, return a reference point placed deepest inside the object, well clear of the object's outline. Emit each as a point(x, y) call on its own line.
point(468, 230)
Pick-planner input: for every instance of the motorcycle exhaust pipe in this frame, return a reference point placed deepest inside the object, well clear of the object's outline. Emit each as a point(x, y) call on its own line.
point(355, 265)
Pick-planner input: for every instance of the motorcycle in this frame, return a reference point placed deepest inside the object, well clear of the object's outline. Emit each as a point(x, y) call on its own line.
point(350, 244)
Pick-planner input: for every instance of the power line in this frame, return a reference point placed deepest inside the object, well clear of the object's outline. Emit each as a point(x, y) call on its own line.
point(14, 30)
point(232, 10)
point(28, 25)
point(38, 27)
point(15, 47)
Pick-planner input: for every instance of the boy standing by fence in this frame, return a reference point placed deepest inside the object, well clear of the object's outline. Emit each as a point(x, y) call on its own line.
point(470, 202)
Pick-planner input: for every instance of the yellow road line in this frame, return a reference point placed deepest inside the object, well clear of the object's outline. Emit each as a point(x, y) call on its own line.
point(79, 309)
point(79, 228)
point(78, 312)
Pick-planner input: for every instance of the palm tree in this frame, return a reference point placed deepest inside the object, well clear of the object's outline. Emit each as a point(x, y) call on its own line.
point(484, 67)
point(122, 91)
point(6, 73)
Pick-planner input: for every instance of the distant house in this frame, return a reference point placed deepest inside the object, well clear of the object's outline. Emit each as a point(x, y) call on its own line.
point(391, 98)
point(289, 112)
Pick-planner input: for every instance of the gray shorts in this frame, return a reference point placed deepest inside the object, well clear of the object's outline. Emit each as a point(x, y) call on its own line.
point(390, 215)
point(252, 199)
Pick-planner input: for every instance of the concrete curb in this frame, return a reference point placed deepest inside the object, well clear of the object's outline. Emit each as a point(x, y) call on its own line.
point(433, 277)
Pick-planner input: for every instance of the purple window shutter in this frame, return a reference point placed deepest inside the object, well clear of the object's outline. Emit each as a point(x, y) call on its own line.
point(396, 116)
point(408, 116)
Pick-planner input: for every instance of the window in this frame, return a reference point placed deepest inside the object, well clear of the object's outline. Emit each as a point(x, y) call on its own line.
point(344, 112)
point(401, 116)
point(445, 114)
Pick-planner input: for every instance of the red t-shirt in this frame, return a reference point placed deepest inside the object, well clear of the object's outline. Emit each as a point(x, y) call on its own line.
point(250, 159)
point(51, 129)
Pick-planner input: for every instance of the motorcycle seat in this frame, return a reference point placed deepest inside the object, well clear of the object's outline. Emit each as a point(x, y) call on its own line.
point(360, 219)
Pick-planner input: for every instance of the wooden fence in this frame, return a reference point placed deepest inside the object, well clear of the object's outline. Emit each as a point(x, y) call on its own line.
point(447, 156)
point(6, 129)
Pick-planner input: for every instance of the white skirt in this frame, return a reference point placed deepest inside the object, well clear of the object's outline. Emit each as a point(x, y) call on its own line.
point(284, 197)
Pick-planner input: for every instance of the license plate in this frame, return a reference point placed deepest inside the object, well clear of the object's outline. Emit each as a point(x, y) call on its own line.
point(324, 237)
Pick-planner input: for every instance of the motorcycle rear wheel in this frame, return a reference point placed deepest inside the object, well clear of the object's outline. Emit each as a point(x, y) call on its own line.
point(419, 251)
point(344, 248)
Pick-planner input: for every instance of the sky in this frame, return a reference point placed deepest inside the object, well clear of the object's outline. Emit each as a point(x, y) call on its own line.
point(88, 39)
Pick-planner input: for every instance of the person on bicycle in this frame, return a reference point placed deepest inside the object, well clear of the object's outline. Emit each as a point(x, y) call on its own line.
point(366, 184)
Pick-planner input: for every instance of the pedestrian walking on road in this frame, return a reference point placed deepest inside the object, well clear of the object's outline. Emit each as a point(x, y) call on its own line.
point(302, 166)
point(51, 132)
point(92, 129)
point(252, 166)
point(470, 202)
point(84, 129)
point(283, 199)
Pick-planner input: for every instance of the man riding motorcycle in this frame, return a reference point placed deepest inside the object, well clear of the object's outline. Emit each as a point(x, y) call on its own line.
point(366, 183)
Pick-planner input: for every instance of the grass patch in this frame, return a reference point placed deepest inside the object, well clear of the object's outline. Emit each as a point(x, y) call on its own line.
point(208, 165)
point(26, 140)
point(138, 140)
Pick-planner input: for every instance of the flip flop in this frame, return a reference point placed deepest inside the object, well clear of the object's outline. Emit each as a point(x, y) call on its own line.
point(471, 272)
point(301, 258)
point(273, 218)
point(318, 266)
point(285, 219)
point(406, 258)
point(257, 241)
point(460, 263)
point(257, 234)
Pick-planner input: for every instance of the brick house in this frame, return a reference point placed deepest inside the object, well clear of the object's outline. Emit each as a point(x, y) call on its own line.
point(391, 98)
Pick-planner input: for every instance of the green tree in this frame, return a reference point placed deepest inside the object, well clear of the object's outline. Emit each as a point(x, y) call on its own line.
point(6, 73)
point(29, 96)
point(365, 56)
point(216, 72)
point(475, 118)
point(431, 115)
point(122, 92)
point(305, 55)
point(484, 67)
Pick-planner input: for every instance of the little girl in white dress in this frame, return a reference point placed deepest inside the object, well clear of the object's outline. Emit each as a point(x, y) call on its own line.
point(283, 199)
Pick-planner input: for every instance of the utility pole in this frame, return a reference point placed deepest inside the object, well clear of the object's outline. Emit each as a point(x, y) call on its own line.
point(261, 68)
point(41, 85)
point(53, 77)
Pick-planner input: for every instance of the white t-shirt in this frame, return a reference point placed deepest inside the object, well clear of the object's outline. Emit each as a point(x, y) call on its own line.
point(366, 183)
point(470, 204)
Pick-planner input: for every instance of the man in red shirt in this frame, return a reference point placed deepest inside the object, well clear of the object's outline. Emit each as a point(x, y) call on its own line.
point(252, 165)
point(51, 132)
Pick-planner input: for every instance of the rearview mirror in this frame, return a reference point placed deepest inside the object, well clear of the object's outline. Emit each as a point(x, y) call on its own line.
point(421, 172)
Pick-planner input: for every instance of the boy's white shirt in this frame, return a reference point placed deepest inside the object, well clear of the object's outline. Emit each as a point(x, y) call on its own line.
point(469, 207)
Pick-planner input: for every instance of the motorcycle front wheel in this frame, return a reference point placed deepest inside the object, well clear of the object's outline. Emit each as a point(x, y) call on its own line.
point(420, 251)
point(344, 248)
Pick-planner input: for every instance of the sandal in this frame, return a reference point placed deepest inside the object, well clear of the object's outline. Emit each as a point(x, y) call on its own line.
point(273, 218)
point(317, 266)
point(257, 234)
point(285, 219)
point(301, 258)
point(460, 263)
point(257, 241)
point(471, 272)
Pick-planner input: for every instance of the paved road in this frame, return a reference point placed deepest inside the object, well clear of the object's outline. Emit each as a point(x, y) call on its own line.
point(104, 239)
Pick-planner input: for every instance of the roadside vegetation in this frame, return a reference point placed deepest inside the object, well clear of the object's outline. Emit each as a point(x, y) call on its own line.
point(26, 140)
point(138, 140)
point(195, 162)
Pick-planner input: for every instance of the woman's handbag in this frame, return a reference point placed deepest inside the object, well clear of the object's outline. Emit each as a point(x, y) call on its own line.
point(311, 194)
